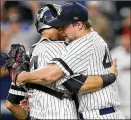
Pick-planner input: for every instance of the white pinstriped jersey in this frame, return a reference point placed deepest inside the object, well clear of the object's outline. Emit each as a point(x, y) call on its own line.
point(43, 105)
point(89, 55)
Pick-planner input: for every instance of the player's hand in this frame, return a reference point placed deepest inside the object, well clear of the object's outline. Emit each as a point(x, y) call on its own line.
point(113, 68)
point(25, 104)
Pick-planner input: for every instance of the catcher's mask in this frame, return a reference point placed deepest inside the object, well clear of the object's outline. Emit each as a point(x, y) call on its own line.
point(46, 13)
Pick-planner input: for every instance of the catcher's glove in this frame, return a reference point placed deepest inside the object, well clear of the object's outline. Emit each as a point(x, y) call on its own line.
point(17, 61)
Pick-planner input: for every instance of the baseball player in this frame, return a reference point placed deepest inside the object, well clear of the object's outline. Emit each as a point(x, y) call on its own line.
point(46, 31)
point(95, 53)
point(87, 54)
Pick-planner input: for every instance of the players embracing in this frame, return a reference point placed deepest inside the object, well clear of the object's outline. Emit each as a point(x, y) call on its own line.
point(86, 55)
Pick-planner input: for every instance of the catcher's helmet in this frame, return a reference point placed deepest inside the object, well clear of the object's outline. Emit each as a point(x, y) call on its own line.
point(46, 13)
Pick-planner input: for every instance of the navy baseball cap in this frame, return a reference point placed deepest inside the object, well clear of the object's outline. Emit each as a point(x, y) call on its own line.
point(69, 13)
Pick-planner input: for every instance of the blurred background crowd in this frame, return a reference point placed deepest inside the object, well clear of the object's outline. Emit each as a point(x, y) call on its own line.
point(111, 19)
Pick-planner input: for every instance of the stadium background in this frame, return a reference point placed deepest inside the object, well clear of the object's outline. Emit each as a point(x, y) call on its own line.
point(111, 19)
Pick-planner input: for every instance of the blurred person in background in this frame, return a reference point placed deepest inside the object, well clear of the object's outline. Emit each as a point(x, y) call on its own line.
point(4, 44)
point(23, 31)
point(5, 39)
point(4, 81)
point(108, 7)
point(121, 4)
point(125, 25)
point(2, 10)
point(100, 22)
point(14, 18)
point(123, 52)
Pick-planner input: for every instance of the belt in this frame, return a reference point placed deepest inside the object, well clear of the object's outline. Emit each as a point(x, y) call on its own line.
point(106, 110)
point(60, 95)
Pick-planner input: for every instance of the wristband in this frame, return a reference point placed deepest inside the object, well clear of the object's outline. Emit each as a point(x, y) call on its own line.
point(108, 79)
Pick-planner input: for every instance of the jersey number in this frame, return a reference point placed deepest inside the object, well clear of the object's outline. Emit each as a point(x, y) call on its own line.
point(107, 59)
point(34, 62)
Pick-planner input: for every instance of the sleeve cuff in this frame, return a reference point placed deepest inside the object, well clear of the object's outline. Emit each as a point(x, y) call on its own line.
point(61, 67)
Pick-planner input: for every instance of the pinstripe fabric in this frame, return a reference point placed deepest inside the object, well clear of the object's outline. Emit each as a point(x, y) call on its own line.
point(43, 105)
point(85, 56)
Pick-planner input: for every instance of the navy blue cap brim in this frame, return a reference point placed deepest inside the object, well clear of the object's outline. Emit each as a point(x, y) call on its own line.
point(58, 23)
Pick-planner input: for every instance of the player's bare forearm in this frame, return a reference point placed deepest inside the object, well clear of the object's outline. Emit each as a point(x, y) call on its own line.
point(92, 83)
point(29, 77)
point(47, 75)
point(3, 72)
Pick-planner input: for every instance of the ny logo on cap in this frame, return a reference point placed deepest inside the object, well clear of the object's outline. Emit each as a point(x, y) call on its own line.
point(59, 11)
point(76, 18)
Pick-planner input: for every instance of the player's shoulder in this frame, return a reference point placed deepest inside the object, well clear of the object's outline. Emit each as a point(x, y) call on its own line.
point(87, 39)
point(98, 40)
point(47, 41)
point(55, 45)
point(54, 41)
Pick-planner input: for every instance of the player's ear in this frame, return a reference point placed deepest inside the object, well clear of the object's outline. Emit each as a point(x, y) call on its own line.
point(79, 25)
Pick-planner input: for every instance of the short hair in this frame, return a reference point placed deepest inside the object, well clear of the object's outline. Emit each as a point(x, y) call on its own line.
point(87, 24)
